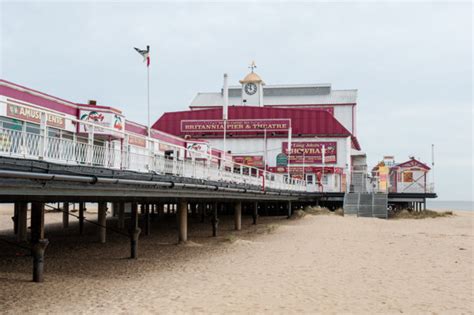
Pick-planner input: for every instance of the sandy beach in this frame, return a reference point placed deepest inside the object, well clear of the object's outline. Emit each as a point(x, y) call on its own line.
point(316, 264)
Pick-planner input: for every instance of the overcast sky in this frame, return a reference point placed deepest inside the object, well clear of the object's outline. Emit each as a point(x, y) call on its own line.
point(412, 63)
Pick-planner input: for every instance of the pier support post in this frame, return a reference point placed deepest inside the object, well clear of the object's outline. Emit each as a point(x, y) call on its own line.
point(160, 209)
point(134, 231)
point(15, 218)
point(82, 207)
point(255, 213)
point(121, 215)
point(182, 221)
point(424, 204)
point(147, 219)
point(22, 224)
point(38, 242)
point(65, 215)
point(214, 220)
point(238, 215)
point(102, 220)
point(290, 210)
point(202, 210)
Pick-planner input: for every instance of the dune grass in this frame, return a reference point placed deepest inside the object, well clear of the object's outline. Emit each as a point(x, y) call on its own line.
point(406, 214)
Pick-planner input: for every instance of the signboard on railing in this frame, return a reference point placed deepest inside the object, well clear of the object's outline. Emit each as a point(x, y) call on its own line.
point(197, 150)
point(249, 160)
point(307, 169)
point(311, 152)
point(235, 125)
point(137, 141)
point(106, 119)
point(34, 116)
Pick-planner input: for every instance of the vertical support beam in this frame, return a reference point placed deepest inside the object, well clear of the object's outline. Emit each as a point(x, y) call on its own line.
point(121, 215)
point(214, 219)
point(424, 204)
point(115, 207)
point(15, 218)
point(202, 210)
point(182, 221)
point(147, 218)
point(22, 224)
point(255, 213)
point(134, 231)
point(65, 215)
point(161, 209)
point(238, 215)
point(82, 208)
point(290, 210)
point(38, 242)
point(102, 220)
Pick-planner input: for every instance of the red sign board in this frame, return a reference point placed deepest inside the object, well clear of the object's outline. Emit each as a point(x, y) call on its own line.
point(249, 160)
point(307, 169)
point(234, 125)
point(311, 152)
point(33, 115)
point(137, 141)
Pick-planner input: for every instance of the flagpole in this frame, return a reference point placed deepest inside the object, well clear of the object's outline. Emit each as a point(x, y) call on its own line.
point(148, 91)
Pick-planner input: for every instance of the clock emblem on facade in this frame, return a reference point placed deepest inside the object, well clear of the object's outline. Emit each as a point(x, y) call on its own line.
point(250, 88)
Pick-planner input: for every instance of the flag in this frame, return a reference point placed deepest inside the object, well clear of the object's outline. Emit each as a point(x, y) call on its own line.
point(145, 54)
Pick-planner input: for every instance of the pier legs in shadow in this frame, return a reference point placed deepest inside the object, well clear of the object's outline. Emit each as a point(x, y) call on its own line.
point(182, 221)
point(38, 242)
point(102, 220)
point(134, 231)
point(255, 213)
point(214, 219)
point(238, 215)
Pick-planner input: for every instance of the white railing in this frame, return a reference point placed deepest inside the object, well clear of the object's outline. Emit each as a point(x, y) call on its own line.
point(83, 151)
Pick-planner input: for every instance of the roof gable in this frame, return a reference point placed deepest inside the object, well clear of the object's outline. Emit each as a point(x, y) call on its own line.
point(412, 163)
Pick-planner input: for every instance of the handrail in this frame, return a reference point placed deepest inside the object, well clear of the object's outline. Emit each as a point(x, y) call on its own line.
point(116, 155)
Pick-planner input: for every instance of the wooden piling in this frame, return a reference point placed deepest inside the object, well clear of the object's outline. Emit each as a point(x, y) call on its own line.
point(134, 231)
point(22, 222)
point(65, 215)
point(102, 220)
point(121, 215)
point(182, 221)
point(82, 207)
point(255, 213)
point(38, 242)
point(238, 215)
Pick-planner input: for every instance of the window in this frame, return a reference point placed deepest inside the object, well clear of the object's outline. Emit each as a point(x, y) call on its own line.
point(12, 124)
point(33, 128)
point(325, 179)
point(54, 133)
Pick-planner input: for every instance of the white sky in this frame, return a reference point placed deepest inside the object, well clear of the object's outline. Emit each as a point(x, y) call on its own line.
point(411, 62)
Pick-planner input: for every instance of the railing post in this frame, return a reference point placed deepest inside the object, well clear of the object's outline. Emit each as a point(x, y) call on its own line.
point(43, 135)
point(90, 145)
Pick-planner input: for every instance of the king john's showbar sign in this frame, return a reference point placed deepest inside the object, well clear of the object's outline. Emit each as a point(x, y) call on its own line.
point(241, 125)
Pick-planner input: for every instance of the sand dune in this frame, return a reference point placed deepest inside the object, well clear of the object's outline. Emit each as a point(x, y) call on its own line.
point(319, 264)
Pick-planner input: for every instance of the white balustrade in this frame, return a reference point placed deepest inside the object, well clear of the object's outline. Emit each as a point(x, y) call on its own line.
point(83, 151)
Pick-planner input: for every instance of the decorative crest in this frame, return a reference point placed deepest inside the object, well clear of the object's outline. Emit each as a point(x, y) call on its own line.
point(252, 65)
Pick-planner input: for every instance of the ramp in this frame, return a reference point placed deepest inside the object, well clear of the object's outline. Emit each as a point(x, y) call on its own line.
point(366, 205)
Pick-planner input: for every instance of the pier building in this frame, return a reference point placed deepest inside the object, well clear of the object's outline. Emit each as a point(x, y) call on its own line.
point(262, 121)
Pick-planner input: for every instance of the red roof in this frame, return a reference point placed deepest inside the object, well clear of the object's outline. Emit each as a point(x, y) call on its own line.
point(304, 122)
point(412, 163)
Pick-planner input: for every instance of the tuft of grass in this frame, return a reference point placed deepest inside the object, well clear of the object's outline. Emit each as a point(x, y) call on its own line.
point(231, 238)
point(298, 214)
point(407, 214)
point(323, 211)
point(270, 228)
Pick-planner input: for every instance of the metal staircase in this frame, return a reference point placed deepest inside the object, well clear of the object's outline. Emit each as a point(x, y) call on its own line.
point(366, 205)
